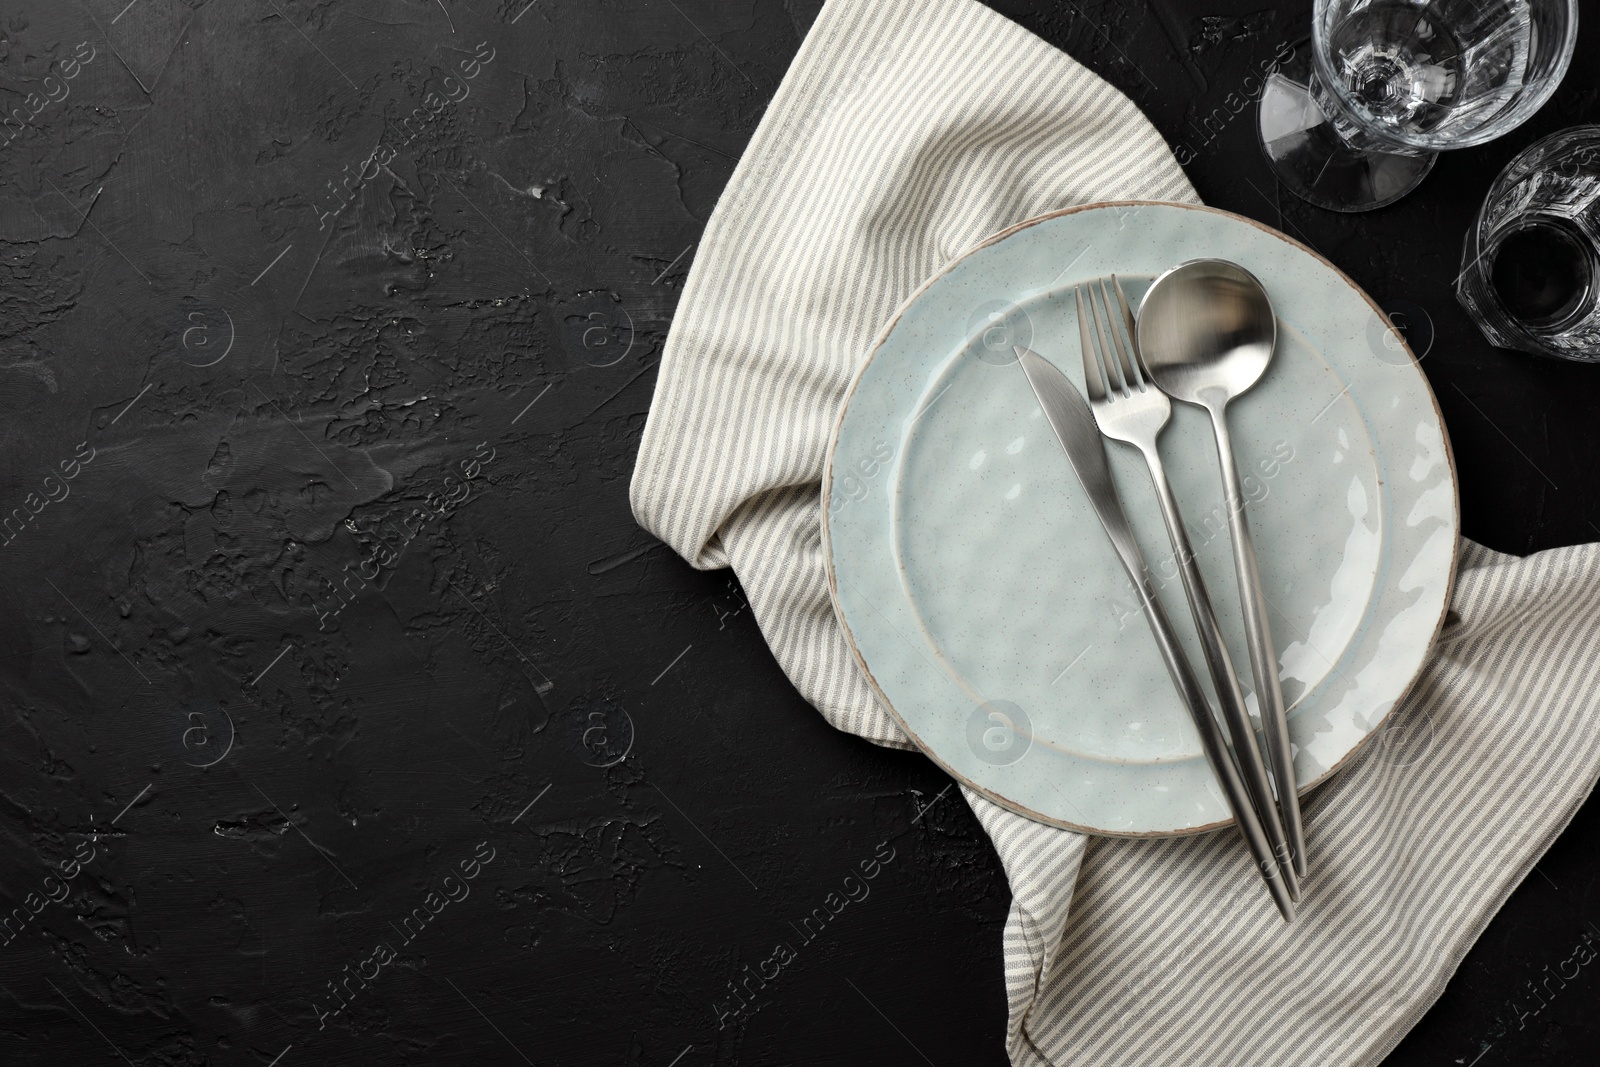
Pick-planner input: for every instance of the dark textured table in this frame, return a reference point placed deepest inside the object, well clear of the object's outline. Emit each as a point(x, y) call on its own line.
point(348, 718)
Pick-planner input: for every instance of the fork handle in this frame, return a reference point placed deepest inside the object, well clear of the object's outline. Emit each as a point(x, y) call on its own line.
point(1258, 635)
point(1212, 742)
point(1223, 676)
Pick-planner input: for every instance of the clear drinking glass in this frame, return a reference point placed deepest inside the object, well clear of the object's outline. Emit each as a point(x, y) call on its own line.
point(1390, 83)
point(1530, 274)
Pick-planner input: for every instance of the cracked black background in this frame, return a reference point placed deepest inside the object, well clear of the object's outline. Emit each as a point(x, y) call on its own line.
point(349, 595)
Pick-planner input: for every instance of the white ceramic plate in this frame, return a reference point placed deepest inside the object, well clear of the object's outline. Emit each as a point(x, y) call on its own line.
point(982, 599)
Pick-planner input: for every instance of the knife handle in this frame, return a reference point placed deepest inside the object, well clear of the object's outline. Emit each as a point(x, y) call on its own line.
point(1216, 751)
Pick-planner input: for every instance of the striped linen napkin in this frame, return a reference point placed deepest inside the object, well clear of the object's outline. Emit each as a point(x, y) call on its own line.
point(905, 132)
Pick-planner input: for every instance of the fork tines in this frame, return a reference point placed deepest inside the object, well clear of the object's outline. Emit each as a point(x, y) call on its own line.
point(1116, 356)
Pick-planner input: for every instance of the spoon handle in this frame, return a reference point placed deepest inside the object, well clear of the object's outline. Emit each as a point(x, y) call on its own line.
point(1263, 653)
point(1226, 682)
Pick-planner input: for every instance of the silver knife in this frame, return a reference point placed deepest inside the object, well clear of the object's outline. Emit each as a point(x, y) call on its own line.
point(1075, 428)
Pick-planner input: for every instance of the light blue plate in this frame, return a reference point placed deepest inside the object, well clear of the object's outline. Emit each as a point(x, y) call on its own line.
point(982, 599)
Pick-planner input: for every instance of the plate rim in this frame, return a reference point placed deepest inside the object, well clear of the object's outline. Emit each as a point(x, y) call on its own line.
point(827, 539)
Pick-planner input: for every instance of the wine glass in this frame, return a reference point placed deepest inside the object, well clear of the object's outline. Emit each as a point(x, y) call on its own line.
point(1390, 83)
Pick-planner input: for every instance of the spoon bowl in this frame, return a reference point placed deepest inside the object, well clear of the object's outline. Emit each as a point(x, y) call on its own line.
point(1207, 331)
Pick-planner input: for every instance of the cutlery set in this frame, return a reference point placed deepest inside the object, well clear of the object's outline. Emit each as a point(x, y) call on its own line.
point(1205, 333)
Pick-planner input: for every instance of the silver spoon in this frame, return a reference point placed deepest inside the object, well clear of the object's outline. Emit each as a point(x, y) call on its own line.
point(1207, 331)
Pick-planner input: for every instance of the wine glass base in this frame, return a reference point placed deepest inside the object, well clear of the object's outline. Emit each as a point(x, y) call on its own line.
point(1316, 164)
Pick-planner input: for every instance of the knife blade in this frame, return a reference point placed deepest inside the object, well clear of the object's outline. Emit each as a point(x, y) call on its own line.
point(1074, 426)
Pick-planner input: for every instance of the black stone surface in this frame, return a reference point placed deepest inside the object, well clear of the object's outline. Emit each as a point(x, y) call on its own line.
point(327, 331)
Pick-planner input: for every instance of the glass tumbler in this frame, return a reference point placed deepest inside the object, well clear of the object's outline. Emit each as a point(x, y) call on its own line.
point(1390, 83)
point(1530, 274)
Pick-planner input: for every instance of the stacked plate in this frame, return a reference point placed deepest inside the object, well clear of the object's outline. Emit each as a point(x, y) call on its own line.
point(981, 597)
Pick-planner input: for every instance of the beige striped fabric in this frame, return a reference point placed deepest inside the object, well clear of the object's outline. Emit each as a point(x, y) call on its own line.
point(905, 132)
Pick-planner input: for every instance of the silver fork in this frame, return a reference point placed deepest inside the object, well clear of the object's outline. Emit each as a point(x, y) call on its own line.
point(1129, 408)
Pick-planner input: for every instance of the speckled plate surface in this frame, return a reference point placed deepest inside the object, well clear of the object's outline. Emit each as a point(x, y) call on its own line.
point(982, 599)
